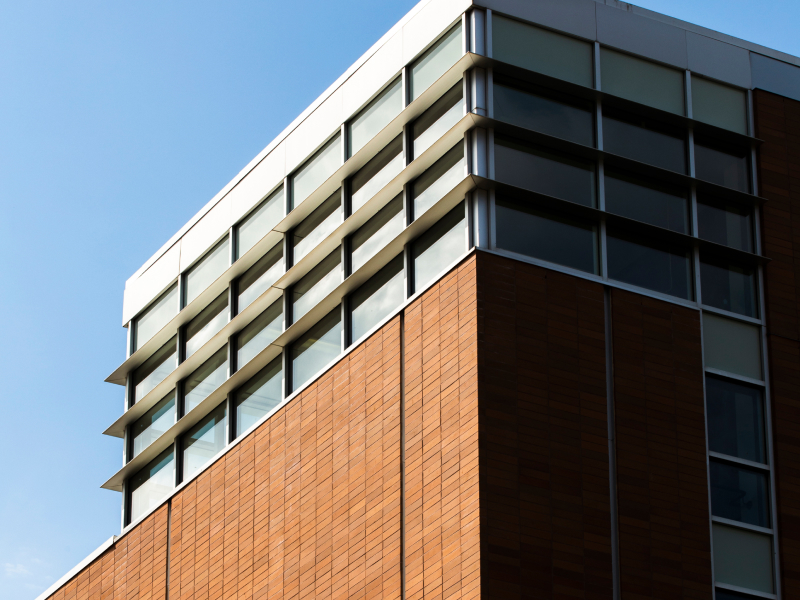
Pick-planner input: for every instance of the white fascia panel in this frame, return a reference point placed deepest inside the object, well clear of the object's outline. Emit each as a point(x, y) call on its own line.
point(428, 24)
point(210, 228)
point(314, 131)
point(141, 291)
point(263, 179)
point(372, 75)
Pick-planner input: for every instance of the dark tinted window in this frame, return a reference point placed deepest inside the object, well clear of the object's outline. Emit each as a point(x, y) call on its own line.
point(720, 164)
point(735, 419)
point(725, 223)
point(728, 286)
point(646, 201)
point(739, 494)
point(646, 141)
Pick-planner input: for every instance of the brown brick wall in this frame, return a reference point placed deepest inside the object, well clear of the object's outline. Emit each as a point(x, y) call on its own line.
point(661, 454)
point(545, 503)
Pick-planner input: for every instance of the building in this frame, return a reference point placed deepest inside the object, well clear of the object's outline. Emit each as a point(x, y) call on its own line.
point(511, 311)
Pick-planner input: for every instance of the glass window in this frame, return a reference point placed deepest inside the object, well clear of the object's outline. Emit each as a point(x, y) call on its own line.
point(317, 284)
point(436, 61)
point(377, 115)
point(719, 105)
point(204, 441)
point(644, 140)
point(155, 369)
point(721, 164)
point(642, 81)
point(152, 320)
point(545, 172)
point(544, 110)
point(436, 182)
point(316, 348)
point(259, 334)
point(376, 299)
point(374, 176)
point(739, 494)
point(258, 396)
point(148, 428)
point(259, 222)
point(732, 346)
point(376, 233)
point(720, 594)
point(541, 50)
point(316, 171)
point(317, 226)
point(664, 267)
point(735, 420)
point(207, 324)
point(646, 201)
point(207, 378)
point(152, 484)
point(439, 247)
point(523, 229)
point(204, 273)
point(258, 278)
point(438, 119)
point(725, 223)
point(743, 558)
point(728, 286)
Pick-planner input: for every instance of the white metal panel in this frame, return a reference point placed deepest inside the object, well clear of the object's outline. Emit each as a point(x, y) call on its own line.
point(576, 17)
point(718, 60)
point(314, 131)
point(141, 291)
point(259, 182)
point(428, 24)
point(214, 224)
point(372, 75)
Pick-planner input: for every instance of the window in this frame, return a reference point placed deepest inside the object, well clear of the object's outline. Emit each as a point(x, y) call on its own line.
point(644, 140)
point(743, 558)
point(732, 346)
point(646, 201)
point(728, 286)
point(315, 349)
point(523, 229)
point(317, 284)
point(378, 172)
point(151, 485)
point(204, 441)
point(316, 171)
point(544, 110)
point(259, 222)
point(206, 325)
point(719, 105)
point(664, 268)
point(739, 494)
point(721, 164)
point(436, 61)
point(377, 115)
point(148, 428)
point(317, 226)
point(207, 378)
point(438, 119)
point(541, 50)
point(439, 247)
point(376, 233)
point(258, 396)
point(436, 182)
point(545, 172)
point(205, 272)
point(155, 369)
point(377, 298)
point(735, 420)
point(642, 81)
point(720, 594)
point(259, 334)
point(259, 277)
point(725, 223)
point(152, 320)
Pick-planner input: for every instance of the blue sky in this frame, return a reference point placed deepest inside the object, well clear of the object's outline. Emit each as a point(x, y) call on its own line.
point(119, 121)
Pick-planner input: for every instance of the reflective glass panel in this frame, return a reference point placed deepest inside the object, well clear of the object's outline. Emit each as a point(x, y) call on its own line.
point(728, 286)
point(436, 182)
point(207, 378)
point(152, 484)
point(720, 594)
point(545, 172)
point(204, 273)
point(317, 226)
point(258, 396)
point(319, 282)
point(148, 428)
point(732, 346)
point(316, 348)
point(722, 164)
point(719, 105)
point(155, 369)
point(663, 267)
point(542, 50)
point(204, 441)
point(259, 222)
point(725, 223)
point(435, 62)
point(374, 117)
point(644, 140)
point(207, 324)
point(374, 176)
point(376, 299)
point(259, 334)
point(376, 233)
point(439, 247)
point(438, 119)
point(316, 171)
point(642, 81)
point(739, 494)
point(735, 420)
point(646, 201)
point(743, 558)
point(259, 277)
point(155, 317)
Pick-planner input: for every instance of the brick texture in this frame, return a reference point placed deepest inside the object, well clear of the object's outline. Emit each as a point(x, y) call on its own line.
point(661, 455)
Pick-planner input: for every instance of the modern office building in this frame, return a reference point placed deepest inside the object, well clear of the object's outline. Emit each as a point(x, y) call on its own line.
point(511, 311)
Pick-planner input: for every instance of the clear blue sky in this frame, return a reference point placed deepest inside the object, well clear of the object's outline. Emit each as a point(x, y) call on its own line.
point(119, 121)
